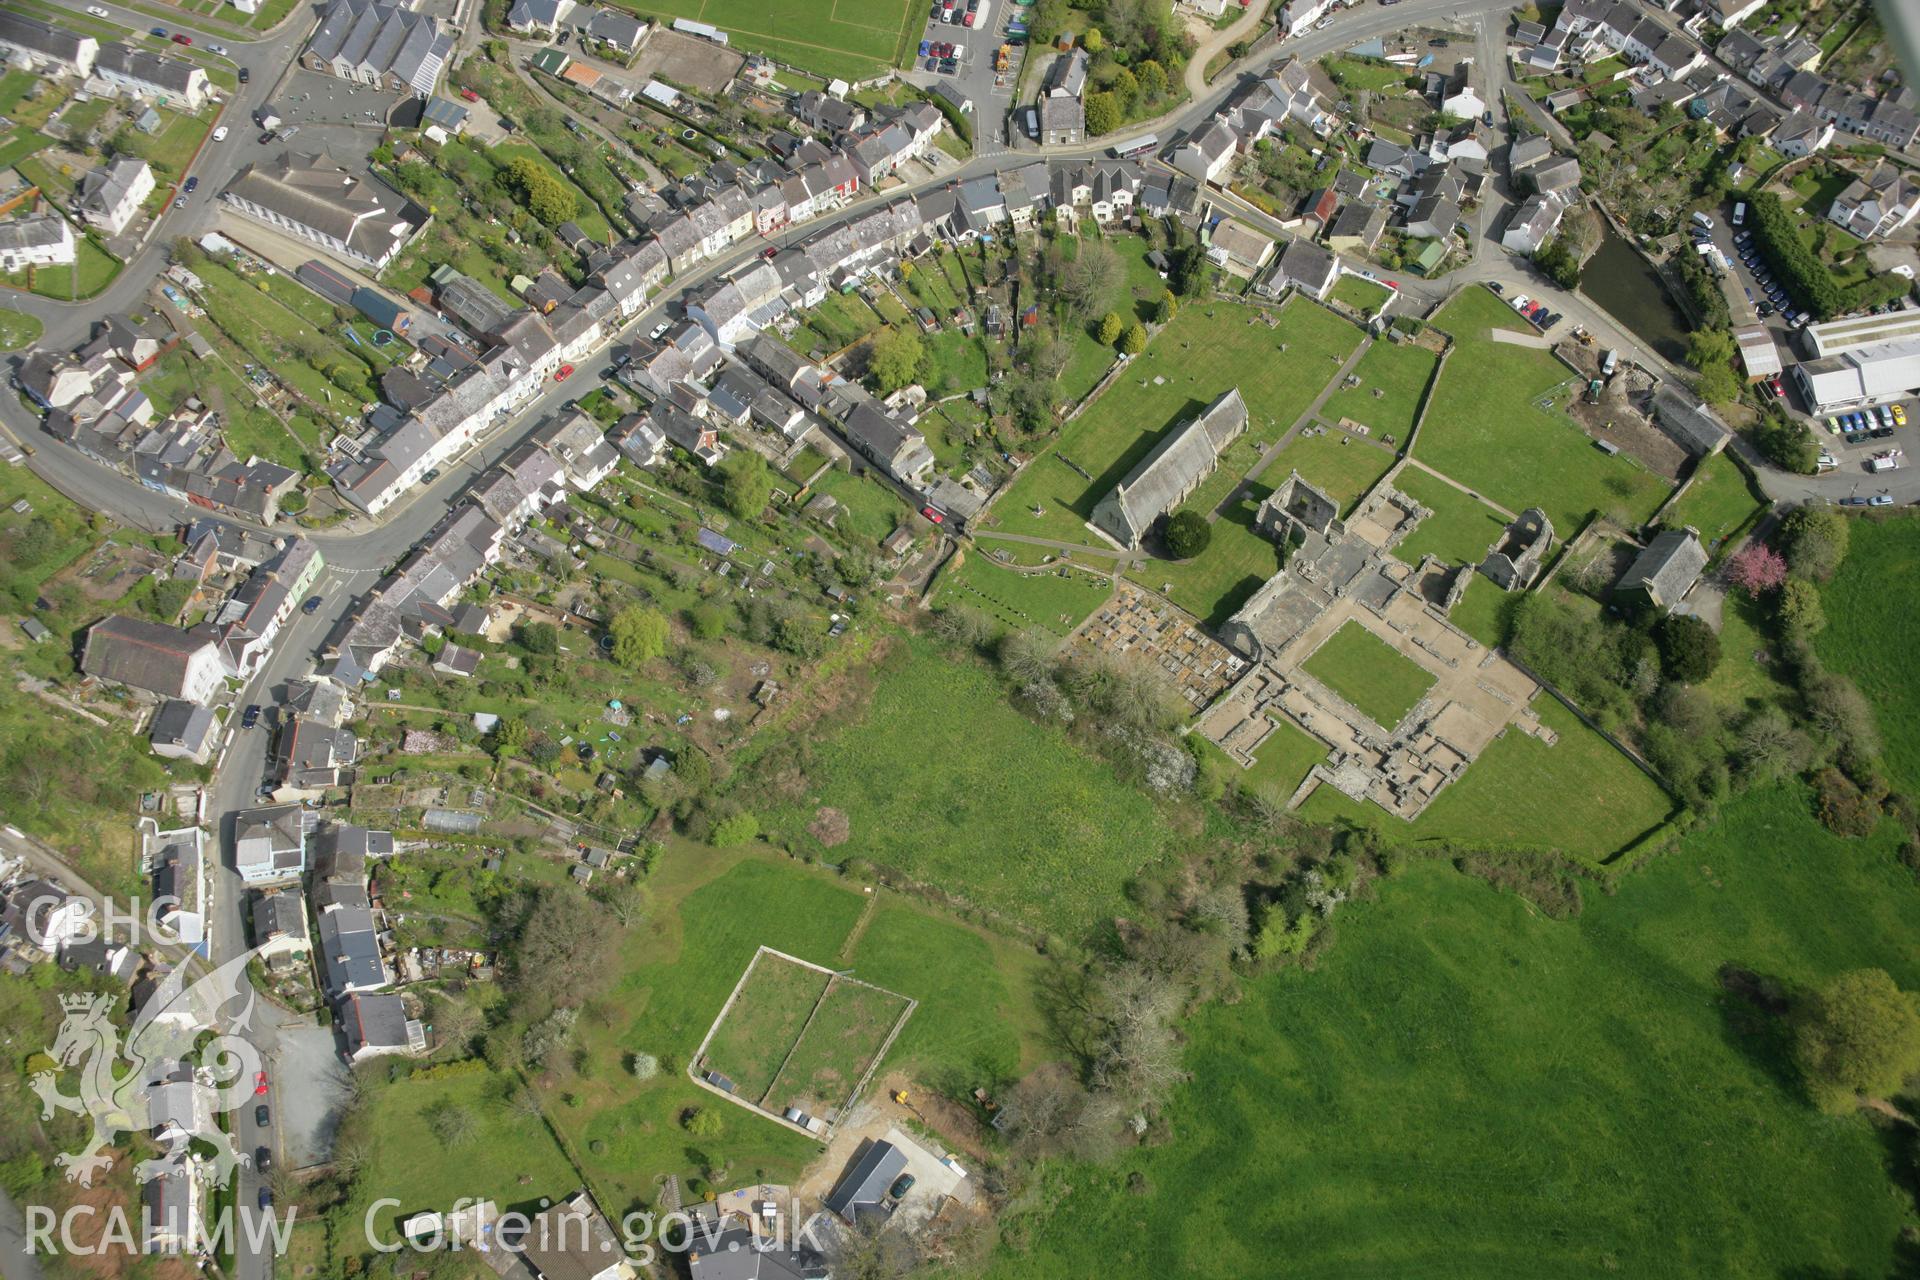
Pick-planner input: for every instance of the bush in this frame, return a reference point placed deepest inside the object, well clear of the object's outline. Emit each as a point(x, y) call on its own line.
point(1787, 444)
point(1689, 650)
point(1188, 534)
point(1842, 807)
point(1800, 271)
point(742, 828)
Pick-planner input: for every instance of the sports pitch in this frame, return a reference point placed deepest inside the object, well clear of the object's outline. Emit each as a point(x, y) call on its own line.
point(796, 1036)
point(851, 39)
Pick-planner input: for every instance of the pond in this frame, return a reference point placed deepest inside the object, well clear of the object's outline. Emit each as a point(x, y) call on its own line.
point(1628, 289)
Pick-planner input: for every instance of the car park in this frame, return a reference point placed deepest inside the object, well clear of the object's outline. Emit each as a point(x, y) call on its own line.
point(931, 64)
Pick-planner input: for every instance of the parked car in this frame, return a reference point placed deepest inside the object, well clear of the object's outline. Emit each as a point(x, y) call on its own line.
point(161, 32)
point(261, 1116)
point(654, 334)
point(183, 39)
point(217, 48)
point(312, 605)
point(265, 1199)
point(933, 515)
point(251, 716)
point(1899, 416)
point(97, 11)
point(245, 75)
point(220, 134)
point(262, 1160)
point(1880, 500)
point(192, 183)
point(266, 137)
point(901, 1185)
point(470, 95)
point(260, 1082)
point(564, 372)
point(1855, 502)
point(1773, 385)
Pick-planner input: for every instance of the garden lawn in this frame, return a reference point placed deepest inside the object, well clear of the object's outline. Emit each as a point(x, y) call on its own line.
point(1459, 528)
point(1579, 796)
point(1361, 294)
point(868, 512)
point(1485, 429)
point(589, 218)
point(1341, 466)
point(1205, 351)
point(1057, 600)
point(1006, 814)
point(17, 329)
point(1873, 631)
point(975, 1010)
point(1369, 673)
point(1718, 503)
point(1483, 612)
point(1400, 369)
point(1463, 1088)
point(19, 144)
point(955, 363)
point(92, 270)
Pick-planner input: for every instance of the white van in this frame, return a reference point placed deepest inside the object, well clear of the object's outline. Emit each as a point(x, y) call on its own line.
point(1740, 214)
point(1703, 221)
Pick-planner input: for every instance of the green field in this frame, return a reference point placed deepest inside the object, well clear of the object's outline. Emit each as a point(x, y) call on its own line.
point(1020, 822)
point(851, 39)
point(1718, 503)
point(1482, 612)
point(1058, 600)
point(1400, 370)
point(1485, 427)
point(1460, 528)
point(847, 1031)
point(768, 1011)
point(1205, 351)
point(1341, 466)
point(1872, 632)
point(1579, 796)
point(1284, 758)
point(1362, 295)
point(1370, 673)
point(1463, 1088)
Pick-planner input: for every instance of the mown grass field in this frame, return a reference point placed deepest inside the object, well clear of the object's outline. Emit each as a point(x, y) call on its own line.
point(1005, 813)
point(1217, 582)
point(1341, 466)
point(1482, 612)
point(1369, 673)
point(1463, 1088)
point(1284, 758)
point(1056, 601)
point(1486, 429)
point(1400, 370)
point(1873, 629)
point(764, 1021)
point(844, 1038)
point(1579, 796)
point(1718, 503)
point(1203, 352)
point(1460, 528)
point(851, 39)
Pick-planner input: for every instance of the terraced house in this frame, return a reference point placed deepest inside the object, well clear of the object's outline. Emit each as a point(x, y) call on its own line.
point(136, 72)
point(313, 199)
point(379, 44)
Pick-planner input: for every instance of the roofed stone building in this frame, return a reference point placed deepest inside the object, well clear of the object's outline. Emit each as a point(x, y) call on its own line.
point(1661, 575)
point(384, 45)
point(1184, 458)
point(311, 198)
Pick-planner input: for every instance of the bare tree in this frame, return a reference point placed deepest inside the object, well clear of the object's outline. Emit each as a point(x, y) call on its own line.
point(1089, 280)
point(1028, 655)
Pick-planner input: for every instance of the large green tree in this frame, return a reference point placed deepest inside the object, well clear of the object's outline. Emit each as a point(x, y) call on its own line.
point(894, 359)
point(745, 483)
point(1857, 1035)
point(639, 635)
point(1188, 534)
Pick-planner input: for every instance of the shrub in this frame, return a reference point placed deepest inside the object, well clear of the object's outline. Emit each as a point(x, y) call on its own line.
point(1188, 534)
point(1689, 650)
point(1843, 808)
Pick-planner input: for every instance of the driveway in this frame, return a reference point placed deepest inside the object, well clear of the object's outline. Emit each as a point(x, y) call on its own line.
point(311, 1086)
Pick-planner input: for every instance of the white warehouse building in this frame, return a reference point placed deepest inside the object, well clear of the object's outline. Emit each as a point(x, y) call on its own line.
point(1859, 376)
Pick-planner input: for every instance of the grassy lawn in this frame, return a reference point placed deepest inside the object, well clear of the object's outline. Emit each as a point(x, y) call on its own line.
point(19, 144)
point(1205, 351)
point(1369, 673)
point(1021, 822)
point(1579, 796)
point(955, 363)
point(1718, 503)
point(1462, 1088)
point(765, 1020)
point(1056, 601)
point(851, 43)
point(868, 511)
point(1460, 528)
point(1401, 372)
point(17, 329)
point(1486, 430)
point(1870, 633)
point(1483, 612)
point(93, 269)
point(1361, 294)
point(1284, 758)
point(1742, 680)
point(1339, 465)
point(847, 1031)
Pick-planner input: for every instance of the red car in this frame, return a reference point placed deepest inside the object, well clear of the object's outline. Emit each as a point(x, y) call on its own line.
point(933, 515)
point(259, 1082)
point(470, 95)
point(566, 371)
point(1773, 385)
point(967, 21)
point(183, 39)
point(772, 250)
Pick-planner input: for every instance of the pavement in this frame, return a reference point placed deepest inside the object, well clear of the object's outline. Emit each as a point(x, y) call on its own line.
point(308, 1084)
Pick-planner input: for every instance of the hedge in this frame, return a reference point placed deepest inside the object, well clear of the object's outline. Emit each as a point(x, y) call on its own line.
point(1800, 271)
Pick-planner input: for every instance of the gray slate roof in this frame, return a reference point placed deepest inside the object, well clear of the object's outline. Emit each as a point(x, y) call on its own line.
point(1184, 457)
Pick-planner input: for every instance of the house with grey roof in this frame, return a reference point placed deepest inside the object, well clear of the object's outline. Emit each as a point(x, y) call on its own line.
point(349, 947)
point(36, 240)
point(1532, 224)
point(33, 45)
point(309, 197)
point(170, 81)
point(1063, 121)
point(861, 1192)
point(1663, 573)
point(386, 46)
point(1302, 265)
point(158, 659)
point(182, 730)
point(376, 1024)
point(1175, 467)
point(107, 198)
point(280, 932)
point(270, 843)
